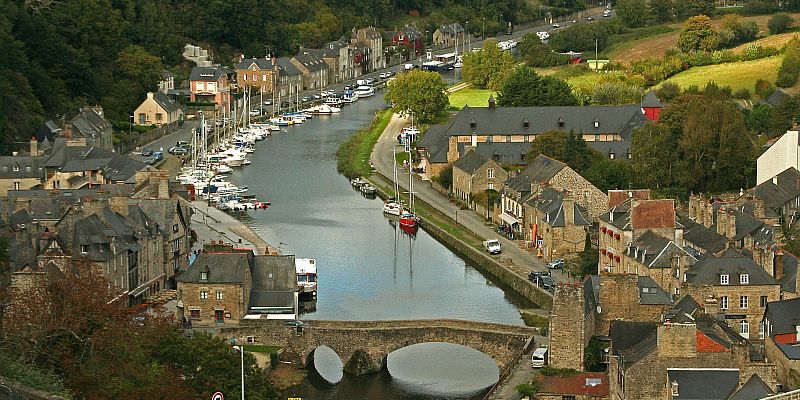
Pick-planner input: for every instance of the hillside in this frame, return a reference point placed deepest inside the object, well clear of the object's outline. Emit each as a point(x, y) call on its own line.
point(737, 75)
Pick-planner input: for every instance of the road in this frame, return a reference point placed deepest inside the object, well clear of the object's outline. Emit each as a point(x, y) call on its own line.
point(167, 141)
point(523, 260)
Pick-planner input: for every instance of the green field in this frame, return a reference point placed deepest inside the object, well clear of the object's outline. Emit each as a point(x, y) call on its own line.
point(471, 97)
point(736, 75)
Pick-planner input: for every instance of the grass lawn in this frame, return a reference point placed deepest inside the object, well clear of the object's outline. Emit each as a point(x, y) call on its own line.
point(257, 348)
point(736, 75)
point(776, 41)
point(471, 97)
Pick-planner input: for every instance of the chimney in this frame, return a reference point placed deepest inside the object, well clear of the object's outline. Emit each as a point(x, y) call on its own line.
point(34, 147)
point(731, 225)
point(775, 180)
point(644, 254)
point(722, 222)
point(163, 187)
point(491, 101)
point(758, 211)
point(711, 306)
point(568, 204)
point(777, 265)
point(150, 95)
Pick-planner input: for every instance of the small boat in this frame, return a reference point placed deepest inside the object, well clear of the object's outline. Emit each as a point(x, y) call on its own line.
point(408, 219)
point(333, 102)
point(367, 189)
point(281, 121)
point(358, 182)
point(392, 207)
point(246, 162)
point(223, 169)
point(365, 91)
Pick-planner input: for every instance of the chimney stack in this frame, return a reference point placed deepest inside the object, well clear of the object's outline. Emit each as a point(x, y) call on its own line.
point(777, 265)
point(34, 147)
point(491, 101)
point(568, 204)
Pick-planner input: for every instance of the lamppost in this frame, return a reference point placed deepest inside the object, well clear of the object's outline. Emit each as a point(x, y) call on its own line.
point(467, 32)
point(240, 349)
point(483, 28)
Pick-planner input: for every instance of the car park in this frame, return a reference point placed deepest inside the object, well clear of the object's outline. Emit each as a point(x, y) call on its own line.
point(147, 152)
point(556, 264)
point(492, 246)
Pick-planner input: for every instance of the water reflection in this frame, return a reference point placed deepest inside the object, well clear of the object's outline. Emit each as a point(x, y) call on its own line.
point(327, 364)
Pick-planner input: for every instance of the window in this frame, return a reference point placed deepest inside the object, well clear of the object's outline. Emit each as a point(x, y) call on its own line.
point(203, 294)
point(245, 76)
point(763, 302)
point(744, 329)
point(724, 279)
point(159, 116)
point(218, 296)
point(743, 302)
point(744, 279)
point(723, 303)
point(204, 276)
point(490, 186)
point(490, 173)
point(761, 330)
point(84, 248)
point(175, 228)
point(16, 168)
point(194, 314)
point(16, 185)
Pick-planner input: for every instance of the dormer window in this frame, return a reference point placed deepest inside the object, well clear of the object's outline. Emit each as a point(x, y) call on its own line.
point(744, 279)
point(525, 123)
point(204, 276)
point(16, 168)
point(560, 122)
point(472, 123)
point(724, 279)
point(596, 123)
point(84, 248)
point(611, 154)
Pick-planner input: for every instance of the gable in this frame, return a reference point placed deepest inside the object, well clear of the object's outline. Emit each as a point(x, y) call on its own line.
point(707, 345)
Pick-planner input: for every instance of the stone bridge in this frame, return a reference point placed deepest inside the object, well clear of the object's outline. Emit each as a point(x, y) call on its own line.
point(364, 345)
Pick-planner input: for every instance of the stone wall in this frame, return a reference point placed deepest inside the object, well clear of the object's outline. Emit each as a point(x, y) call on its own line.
point(786, 368)
point(586, 194)
point(677, 340)
point(754, 313)
point(619, 299)
point(7, 184)
point(364, 345)
point(233, 301)
point(566, 328)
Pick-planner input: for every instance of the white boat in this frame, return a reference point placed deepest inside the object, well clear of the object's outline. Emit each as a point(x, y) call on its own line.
point(391, 207)
point(233, 161)
point(367, 189)
point(298, 119)
point(365, 91)
point(223, 169)
point(333, 102)
point(350, 98)
point(306, 271)
point(357, 182)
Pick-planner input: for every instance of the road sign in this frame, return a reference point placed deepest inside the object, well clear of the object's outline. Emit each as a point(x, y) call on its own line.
point(218, 396)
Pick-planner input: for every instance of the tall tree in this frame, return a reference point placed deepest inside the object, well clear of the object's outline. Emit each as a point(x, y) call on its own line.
point(654, 154)
point(698, 34)
point(633, 13)
point(487, 68)
point(420, 92)
point(525, 88)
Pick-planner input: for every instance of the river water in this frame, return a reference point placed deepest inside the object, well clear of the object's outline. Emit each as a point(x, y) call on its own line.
point(368, 268)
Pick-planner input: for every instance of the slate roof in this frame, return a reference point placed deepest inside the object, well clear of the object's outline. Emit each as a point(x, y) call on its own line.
point(89, 124)
point(282, 271)
point(618, 196)
point(655, 251)
point(452, 29)
point(789, 279)
point(695, 383)
point(470, 162)
point(651, 101)
point(783, 316)
point(702, 237)
point(100, 240)
point(261, 63)
point(651, 293)
point(411, 32)
point(753, 389)
point(311, 62)
point(287, 68)
point(551, 203)
point(786, 187)
point(776, 98)
point(707, 271)
point(791, 351)
point(591, 294)
point(633, 341)
point(165, 102)
point(19, 219)
point(26, 167)
point(88, 158)
point(685, 311)
point(647, 214)
point(221, 268)
point(512, 153)
point(718, 331)
point(208, 74)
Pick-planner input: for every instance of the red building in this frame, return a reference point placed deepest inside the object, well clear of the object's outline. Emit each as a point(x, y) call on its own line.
point(651, 106)
point(411, 38)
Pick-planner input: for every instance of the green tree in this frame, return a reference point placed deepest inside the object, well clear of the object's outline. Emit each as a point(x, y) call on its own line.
point(550, 143)
point(661, 10)
point(654, 156)
point(698, 34)
point(668, 91)
point(581, 37)
point(525, 88)
point(615, 93)
point(487, 68)
point(420, 92)
point(789, 70)
point(633, 13)
point(606, 174)
point(537, 54)
point(764, 88)
point(760, 118)
point(779, 23)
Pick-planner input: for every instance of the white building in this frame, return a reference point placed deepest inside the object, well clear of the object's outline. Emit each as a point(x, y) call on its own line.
point(782, 155)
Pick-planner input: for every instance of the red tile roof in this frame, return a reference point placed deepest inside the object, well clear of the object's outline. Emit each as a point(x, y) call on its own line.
point(653, 214)
point(616, 197)
point(575, 385)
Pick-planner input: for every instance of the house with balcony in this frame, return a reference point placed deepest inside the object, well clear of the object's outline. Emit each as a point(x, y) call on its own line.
point(157, 109)
point(210, 85)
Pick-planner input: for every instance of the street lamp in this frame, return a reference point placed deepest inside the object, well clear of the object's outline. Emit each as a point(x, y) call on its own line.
point(483, 28)
point(240, 349)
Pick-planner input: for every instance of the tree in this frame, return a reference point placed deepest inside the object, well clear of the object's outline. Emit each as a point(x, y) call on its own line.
point(606, 174)
point(661, 10)
point(764, 88)
point(668, 91)
point(581, 37)
point(654, 156)
point(789, 70)
point(633, 13)
point(567, 147)
point(760, 118)
point(779, 23)
point(537, 54)
point(550, 143)
point(615, 93)
point(420, 92)
point(698, 34)
point(525, 88)
point(487, 68)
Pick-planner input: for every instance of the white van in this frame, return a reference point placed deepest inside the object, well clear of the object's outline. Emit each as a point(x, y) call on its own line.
point(539, 357)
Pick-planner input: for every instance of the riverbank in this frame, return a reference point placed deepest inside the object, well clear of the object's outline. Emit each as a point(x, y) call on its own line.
point(215, 226)
point(353, 156)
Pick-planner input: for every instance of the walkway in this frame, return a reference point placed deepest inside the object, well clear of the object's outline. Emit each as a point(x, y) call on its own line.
point(522, 260)
point(212, 224)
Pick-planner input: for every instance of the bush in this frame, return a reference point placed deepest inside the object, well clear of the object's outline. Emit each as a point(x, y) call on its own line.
point(789, 70)
point(537, 54)
point(764, 88)
point(668, 91)
point(753, 7)
point(581, 37)
point(32, 376)
point(779, 23)
point(756, 52)
point(742, 94)
point(528, 389)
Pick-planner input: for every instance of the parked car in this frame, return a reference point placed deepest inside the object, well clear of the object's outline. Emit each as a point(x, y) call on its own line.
point(556, 25)
point(183, 143)
point(384, 75)
point(556, 264)
point(492, 246)
point(546, 282)
point(370, 81)
point(178, 151)
point(606, 13)
point(158, 155)
point(151, 161)
point(534, 276)
point(255, 113)
point(590, 18)
point(268, 103)
point(147, 152)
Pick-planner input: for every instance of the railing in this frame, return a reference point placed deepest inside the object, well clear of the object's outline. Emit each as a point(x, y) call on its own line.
point(512, 366)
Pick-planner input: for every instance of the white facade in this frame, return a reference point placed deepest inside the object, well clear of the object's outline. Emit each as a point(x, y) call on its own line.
point(782, 155)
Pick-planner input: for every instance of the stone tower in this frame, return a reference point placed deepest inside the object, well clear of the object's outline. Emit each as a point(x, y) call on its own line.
point(567, 327)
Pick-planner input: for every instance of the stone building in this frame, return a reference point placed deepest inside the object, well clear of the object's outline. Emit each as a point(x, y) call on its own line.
point(314, 69)
point(780, 197)
point(659, 258)
point(260, 74)
point(782, 340)
point(20, 172)
point(448, 35)
point(216, 289)
point(714, 383)
point(628, 220)
point(157, 109)
point(559, 225)
point(372, 41)
point(210, 85)
point(740, 287)
point(566, 329)
point(290, 80)
point(474, 174)
point(627, 298)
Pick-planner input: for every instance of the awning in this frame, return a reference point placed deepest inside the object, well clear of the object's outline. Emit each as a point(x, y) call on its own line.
point(511, 220)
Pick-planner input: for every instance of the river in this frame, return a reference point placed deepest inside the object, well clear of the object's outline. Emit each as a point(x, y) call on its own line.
point(368, 268)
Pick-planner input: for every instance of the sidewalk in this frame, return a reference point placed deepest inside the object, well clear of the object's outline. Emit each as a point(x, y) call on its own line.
point(522, 260)
point(212, 224)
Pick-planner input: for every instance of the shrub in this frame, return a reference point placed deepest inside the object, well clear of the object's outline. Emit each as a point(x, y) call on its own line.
point(742, 94)
point(581, 37)
point(755, 52)
point(764, 88)
point(779, 23)
point(789, 70)
point(668, 91)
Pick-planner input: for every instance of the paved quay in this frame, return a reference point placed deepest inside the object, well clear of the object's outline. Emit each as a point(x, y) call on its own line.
point(212, 224)
point(521, 260)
